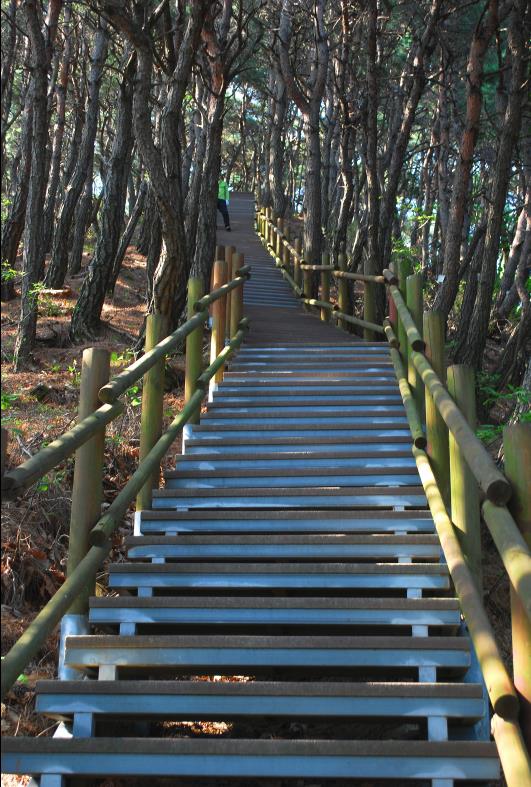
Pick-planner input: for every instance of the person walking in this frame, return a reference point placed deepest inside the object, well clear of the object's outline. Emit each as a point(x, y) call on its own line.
point(223, 201)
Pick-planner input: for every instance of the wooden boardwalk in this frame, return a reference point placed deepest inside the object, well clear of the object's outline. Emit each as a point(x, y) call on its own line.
point(275, 313)
point(292, 547)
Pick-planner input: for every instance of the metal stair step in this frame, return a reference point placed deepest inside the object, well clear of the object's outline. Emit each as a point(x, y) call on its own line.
point(251, 758)
point(287, 415)
point(283, 547)
point(288, 410)
point(203, 700)
point(285, 521)
point(230, 654)
point(325, 576)
point(298, 461)
point(311, 497)
point(267, 479)
point(303, 444)
point(279, 388)
point(224, 400)
point(275, 610)
point(293, 425)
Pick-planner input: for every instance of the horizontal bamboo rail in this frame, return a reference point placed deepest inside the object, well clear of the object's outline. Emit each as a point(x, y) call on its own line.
point(317, 302)
point(415, 426)
point(372, 326)
point(358, 277)
point(499, 685)
point(414, 338)
point(119, 384)
point(49, 457)
point(37, 632)
point(215, 295)
point(308, 267)
point(494, 484)
point(513, 550)
point(55, 452)
point(390, 334)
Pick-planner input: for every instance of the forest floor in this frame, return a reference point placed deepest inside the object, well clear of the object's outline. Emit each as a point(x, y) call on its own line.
point(38, 405)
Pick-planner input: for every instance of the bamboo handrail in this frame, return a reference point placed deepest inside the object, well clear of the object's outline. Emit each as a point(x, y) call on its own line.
point(415, 426)
point(125, 379)
point(207, 300)
point(337, 274)
point(55, 452)
point(499, 685)
point(494, 484)
point(514, 552)
point(414, 338)
point(35, 635)
point(372, 326)
point(307, 267)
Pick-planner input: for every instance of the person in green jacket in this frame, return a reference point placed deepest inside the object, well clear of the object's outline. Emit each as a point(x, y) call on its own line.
point(223, 201)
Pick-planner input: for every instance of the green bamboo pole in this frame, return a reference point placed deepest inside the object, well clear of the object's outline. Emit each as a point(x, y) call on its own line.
point(229, 252)
point(499, 685)
point(415, 304)
point(297, 262)
point(339, 315)
point(512, 750)
point(404, 269)
point(436, 431)
point(286, 254)
point(280, 235)
point(342, 290)
point(492, 482)
point(517, 448)
point(408, 331)
point(194, 346)
point(219, 318)
point(415, 425)
point(87, 490)
point(152, 408)
point(390, 334)
point(464, 490)
point(236, 313)
point(325, 286)
point(514, 551)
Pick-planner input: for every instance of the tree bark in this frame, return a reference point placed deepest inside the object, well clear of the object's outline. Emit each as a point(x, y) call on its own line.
point(478, 329)
point(87, 313)
point(41, 54)
point(57, 268)
point(127, 235)
point(61, 89)
point(445, 298)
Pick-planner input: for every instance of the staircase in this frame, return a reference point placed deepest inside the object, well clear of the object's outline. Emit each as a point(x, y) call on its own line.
point(291, 547)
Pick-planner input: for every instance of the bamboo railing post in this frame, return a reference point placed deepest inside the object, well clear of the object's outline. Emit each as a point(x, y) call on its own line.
point(236, 313)
point(229, 251)
point(194, 346)
point(342, 290)
point(517, 448)
point(369, 309)
point(286, 255)
point(87, 490)
point(219, 316)
point(404, 270)
point(279, 244)
point(464, 490)
point(414, 300)
point(269, 234)
point(307, 285)
point(325, 287)
point(297, 262)
point(436, 429)
point(152, 407)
